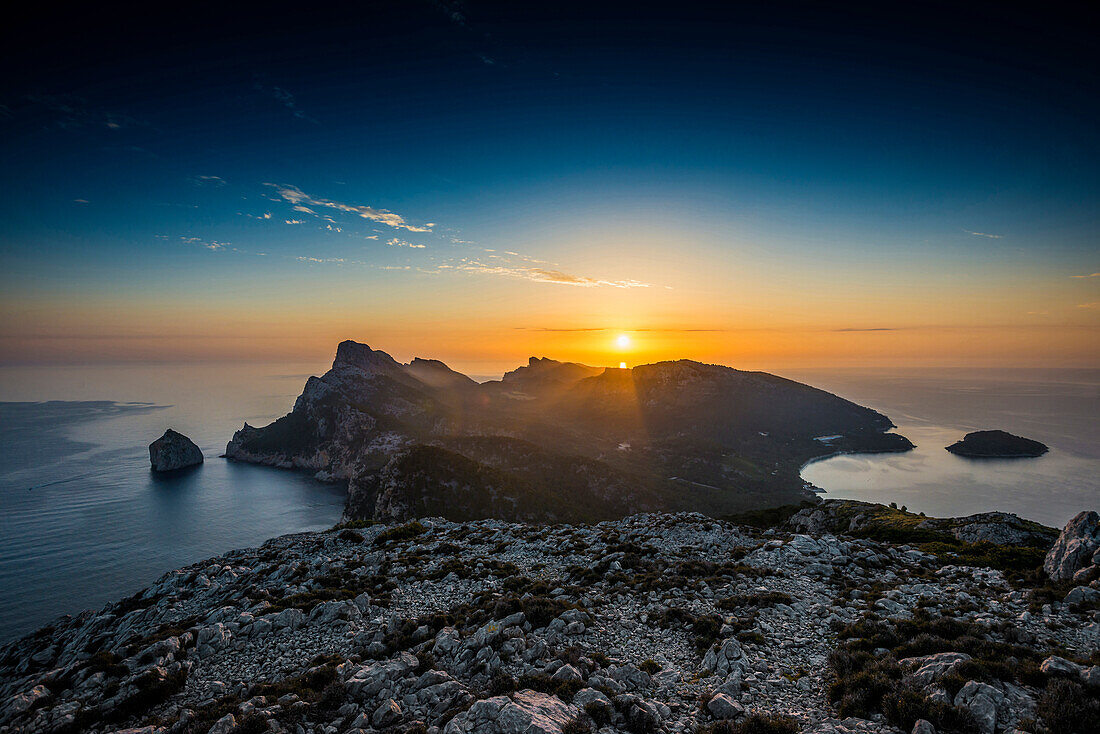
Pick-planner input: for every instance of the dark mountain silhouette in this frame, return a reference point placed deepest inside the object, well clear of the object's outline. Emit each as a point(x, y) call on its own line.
point(558, 440)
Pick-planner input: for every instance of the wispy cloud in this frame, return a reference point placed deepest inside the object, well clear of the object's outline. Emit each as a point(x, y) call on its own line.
point(285, 98)
point(303, 201)
point(1093, 304)
point(208, 244)
point(541, 275)
point(547, 328)
point(70, 111)
point(295, 221)
point(873, 328)
point(80, 201)
point(335, 260)
point(984, 234)
point(1090, 275)
point(640, 330)
point(216, 181)
point(544, 275)
point(394, 242)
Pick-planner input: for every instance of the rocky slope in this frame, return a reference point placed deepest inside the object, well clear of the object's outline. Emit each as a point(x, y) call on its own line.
point(652, 623)
point(670, 436)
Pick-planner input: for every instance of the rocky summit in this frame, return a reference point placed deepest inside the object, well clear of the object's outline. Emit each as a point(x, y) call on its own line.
point(778, 621)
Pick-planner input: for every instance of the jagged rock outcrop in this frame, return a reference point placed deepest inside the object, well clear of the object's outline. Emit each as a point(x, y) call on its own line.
point(868, 518)
point(997, 445)
point(1077, 549)
point(173, 451)
point(618, 441)
point(669, 624)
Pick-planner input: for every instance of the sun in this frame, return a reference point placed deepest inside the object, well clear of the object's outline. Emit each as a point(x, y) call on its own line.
point(622, 341)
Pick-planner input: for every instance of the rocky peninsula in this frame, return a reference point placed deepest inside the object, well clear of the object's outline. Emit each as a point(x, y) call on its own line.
point(558, 441)
point(832, 618)
point(997, 445)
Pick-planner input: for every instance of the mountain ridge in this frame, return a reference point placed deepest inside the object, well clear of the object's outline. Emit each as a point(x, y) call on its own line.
point(737, 438)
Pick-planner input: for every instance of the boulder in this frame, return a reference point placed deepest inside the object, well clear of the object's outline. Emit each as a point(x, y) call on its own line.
point(173, 451)
point(722, 707)
point(1055, 665)
point(1078, 542)
point(928, 669)
point(388, 713)
point(982, 701)
point(528, 712)
point(1079, 594)
point(224, 725)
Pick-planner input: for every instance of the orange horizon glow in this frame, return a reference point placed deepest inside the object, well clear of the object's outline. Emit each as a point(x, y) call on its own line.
point(479, 351)
point(764, 323)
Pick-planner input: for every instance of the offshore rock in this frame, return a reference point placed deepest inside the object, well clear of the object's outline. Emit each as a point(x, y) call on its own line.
point(997, 445)
point(173, 451)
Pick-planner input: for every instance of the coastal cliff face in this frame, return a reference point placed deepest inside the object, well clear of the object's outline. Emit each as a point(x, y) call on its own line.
point(668, 436)
point(662, 623)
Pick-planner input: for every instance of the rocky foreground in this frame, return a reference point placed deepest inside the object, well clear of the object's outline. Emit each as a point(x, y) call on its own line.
point(653, 623)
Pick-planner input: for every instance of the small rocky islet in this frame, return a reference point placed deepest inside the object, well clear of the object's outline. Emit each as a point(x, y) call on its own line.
point(997, 445)
point(836, 617)
point(174, 451)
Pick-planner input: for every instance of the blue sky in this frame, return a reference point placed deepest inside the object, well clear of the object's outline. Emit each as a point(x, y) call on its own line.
point(448, 155)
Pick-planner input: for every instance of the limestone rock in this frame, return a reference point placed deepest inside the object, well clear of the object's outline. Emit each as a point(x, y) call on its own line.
point(930, 668)
point(1055, 665)
point(527, 712)
point(982, 701)
point(723, 707)
point(1075, 547)
point(173, 451)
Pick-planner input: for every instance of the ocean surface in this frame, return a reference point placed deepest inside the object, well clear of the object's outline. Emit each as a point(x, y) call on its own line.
point(84, 522)
point(935, 408)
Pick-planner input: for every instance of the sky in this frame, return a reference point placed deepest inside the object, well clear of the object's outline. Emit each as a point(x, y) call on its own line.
point(764, 186)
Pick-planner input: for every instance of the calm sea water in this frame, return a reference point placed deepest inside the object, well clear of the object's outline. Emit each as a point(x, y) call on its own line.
point(83, 521)
point(935, 408)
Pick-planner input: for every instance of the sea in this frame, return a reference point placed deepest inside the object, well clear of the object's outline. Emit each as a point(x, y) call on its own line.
point(83, 520)
point(936, 408)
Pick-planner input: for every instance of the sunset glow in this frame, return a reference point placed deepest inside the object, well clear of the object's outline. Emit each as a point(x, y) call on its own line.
point(826, 225)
